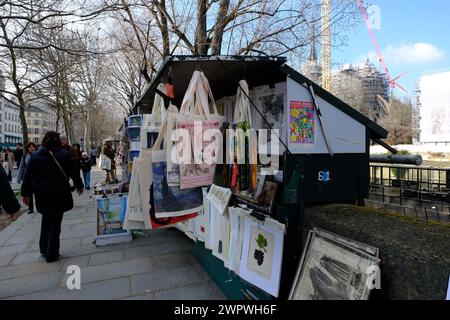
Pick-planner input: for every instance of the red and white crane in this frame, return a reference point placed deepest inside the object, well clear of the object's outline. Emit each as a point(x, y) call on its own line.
point(392, 81)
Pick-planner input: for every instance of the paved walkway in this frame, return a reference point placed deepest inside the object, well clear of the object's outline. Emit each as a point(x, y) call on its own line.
point(159, 266)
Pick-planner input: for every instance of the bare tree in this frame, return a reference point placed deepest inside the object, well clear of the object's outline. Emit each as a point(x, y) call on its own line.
point(398, 121)
point(20, 22)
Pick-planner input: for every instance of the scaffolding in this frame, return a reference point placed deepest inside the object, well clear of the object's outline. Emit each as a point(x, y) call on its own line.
point(363, 87)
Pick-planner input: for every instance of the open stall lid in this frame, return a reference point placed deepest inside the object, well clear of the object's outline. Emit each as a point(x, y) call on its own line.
point(222, 71)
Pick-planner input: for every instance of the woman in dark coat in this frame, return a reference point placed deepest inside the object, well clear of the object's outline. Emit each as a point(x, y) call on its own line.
point(8, 199)
point(47, 177)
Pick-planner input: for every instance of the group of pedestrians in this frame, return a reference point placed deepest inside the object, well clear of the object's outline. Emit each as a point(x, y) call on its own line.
point(46, 175)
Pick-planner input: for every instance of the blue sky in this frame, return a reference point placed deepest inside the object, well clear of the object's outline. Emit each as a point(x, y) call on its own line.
point(414, 38)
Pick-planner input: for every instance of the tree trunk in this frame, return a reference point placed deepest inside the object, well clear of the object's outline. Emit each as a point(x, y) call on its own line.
point(23, 120)
point(201, 45)
point(165, 32)
point(216, 45)
point(87, 130)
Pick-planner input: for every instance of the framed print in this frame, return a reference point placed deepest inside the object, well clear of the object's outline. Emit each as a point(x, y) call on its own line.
point(332, 268)
point(262, 254)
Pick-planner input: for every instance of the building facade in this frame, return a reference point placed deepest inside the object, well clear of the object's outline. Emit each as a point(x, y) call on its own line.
point(433, 101)
point(10, 125)
point(40, 120)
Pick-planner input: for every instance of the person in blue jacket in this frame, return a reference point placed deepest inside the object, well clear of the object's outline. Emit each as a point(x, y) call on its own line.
point(47, 178)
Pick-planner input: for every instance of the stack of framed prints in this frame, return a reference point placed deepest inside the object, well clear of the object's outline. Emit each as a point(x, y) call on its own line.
point(335, 268)
point(110, 217)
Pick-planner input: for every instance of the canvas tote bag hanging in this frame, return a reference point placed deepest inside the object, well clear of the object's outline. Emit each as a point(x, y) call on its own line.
point(170, 204)
point(202, 124)
point(244, 169)
point(134, 214)
point(152, 122)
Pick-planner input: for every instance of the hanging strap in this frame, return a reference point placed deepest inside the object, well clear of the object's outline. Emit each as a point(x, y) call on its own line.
point(197, 96)
point(163, 128)
point(59, 166)
point(242, 109)
point(158, 109)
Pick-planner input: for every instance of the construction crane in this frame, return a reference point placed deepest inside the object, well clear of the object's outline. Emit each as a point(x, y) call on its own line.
point(392, 81)
point(326, 45)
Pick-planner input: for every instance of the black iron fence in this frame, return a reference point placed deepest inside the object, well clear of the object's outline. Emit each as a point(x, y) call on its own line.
point(421, 192)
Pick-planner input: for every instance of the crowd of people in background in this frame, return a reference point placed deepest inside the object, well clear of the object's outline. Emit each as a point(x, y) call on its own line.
point(45, 174)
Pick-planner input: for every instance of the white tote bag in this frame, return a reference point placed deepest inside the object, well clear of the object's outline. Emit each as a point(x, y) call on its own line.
point(105, 162)
point(134, 211)
point(199, 171)
point(170, 201)
point(145, 182)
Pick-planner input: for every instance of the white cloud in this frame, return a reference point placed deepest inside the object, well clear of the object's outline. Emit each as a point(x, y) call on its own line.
point(407, 54)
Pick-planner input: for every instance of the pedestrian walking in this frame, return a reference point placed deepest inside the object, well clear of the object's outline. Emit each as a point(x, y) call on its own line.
point(18, 154)
point(109, 152)
point(8, 199)
point(86, 166)
point(8, 162)
point(31, 147)
point(75, 153)
point(47, 177)
point(93, 154)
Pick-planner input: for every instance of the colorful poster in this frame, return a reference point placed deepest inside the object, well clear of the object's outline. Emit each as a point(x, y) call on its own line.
point(302, 122)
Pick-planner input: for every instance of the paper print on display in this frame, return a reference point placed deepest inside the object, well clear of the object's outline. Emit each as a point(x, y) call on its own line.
point(219, 197)
point(261, 252)
point(111, 214)
point(235, 245)
point(220, 234)
point(172, 201)
point(333, 270)
point(302, 122)
point(203, 223)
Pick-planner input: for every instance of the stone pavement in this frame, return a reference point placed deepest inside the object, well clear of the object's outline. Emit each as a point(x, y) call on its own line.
point(159, 266)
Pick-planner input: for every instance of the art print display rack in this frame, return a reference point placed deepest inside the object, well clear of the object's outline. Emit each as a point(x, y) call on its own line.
point(323, 152)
